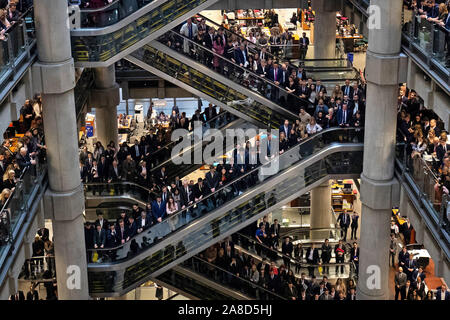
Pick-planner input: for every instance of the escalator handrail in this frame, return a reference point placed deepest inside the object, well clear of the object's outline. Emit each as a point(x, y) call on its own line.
point(284, 256)
point(216, 192)
point(191, 133)
point(250, 45)
point(237, 66)
point(253, 284)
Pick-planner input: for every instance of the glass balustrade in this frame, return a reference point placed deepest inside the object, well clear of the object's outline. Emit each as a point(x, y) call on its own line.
point(103, 47)
point(239, 74)
point(209, 86)
point(335, 163)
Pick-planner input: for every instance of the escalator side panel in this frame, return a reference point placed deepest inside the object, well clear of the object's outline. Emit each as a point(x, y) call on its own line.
point(117, 279)
point(105, 49)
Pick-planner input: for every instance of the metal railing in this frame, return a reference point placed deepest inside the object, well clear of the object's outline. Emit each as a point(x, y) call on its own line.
point(16, 50)
point(296, 262)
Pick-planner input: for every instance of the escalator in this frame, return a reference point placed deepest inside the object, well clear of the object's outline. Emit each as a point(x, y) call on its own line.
point(213, 282)
point(235, 89)
point(98, 193)
point(333, 153)
point(106, 35)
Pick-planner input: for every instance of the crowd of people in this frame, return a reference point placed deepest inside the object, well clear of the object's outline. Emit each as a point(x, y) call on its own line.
point(425, 138)
point(437, 12)
point(235, 269)
point(252, 66)
point(15, 156)
point(10, 13)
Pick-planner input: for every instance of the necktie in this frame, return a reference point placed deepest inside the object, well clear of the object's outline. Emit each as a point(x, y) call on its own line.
point(190, 31)
point(275, 74)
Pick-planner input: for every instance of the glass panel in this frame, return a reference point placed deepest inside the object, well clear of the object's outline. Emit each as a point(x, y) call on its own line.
point(4, 57)
point(243, 75)
point(229, 280)
point(424, 34)
point(325, 63)
point(19, 202)
point(298, 259)
point(337, 163)
point(192, 286)
point(104, 47)
point(209, 85)
point(111, 13)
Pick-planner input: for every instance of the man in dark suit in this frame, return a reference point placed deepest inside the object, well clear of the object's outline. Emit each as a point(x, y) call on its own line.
point(344, 116)
point(442, 148)
point(273, 282)
point(403, 257)
point(143, 222)
point(400, 282)
point(23, 159)
point(161, 177)
point(99, 237)
point(347, 89)
point(241, 56)
point(132, 228)
point(418, 273)
point(411, 266)
point(291, 292)
point(210, 113)
point(158, 209)
point(304, 43)
point(212, 179)
point(121, 232)
point(287, 248)
point(101, 221)
point(312, 258)
point(344, 223)
point(286, 128)
point(111, 237)
point(354, 256)
point(275, 75)
point(136, 151)
point(339, 252)
point(442, 293)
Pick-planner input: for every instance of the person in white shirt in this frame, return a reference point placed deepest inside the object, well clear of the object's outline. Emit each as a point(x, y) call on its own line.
point(313, 127)
point(171, 209)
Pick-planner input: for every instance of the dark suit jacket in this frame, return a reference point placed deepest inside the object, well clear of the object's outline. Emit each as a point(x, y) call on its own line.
point(438, 294)
point(239, 56)
point(213, 113)
point(340, 117)
point(212, 180)
point(271, 74)
point(340, 219)
point(350, 90)
point(440, 151)
point(100, 239)
point(158, 211)
point(23, 161)
point(315, 259)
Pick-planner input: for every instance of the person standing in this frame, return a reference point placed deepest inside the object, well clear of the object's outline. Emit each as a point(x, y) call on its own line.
point(400, 283)
point(287, 248)
point(304, 43)
point(339, 252)
point(354, 225)
point(344, 222)
point(326, 256)
point(393, 249)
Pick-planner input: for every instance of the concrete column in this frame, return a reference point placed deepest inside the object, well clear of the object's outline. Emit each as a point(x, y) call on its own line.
point(64, 199)
point(320, 216)
point(325, 28)
point(105, 98)
point(377, 180)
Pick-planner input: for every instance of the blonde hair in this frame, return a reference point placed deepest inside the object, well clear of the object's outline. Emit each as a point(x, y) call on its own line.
point(6, 193)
